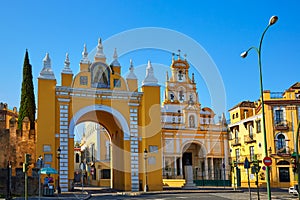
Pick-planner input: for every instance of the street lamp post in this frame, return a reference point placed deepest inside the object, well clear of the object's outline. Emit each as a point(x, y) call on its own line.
point(146, 181)
point(58, 158)
point(40, 165)
point(272, 21)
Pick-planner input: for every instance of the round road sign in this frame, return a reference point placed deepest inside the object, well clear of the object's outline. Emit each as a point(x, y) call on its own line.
point(267, 161)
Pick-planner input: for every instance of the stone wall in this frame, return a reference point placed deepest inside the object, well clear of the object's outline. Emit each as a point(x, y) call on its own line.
point(18, 182)
point(15, 143)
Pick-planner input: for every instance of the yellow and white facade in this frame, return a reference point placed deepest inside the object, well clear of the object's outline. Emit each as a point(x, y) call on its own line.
point(98, 93)
point(189, 132)
point(282, 114)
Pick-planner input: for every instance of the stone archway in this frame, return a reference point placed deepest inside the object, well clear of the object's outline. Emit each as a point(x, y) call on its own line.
point(116, 125)
point(194, 153)
point(99, 93)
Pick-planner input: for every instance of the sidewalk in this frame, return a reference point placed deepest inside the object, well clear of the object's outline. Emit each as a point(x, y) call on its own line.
point(65, 195)
point(87, 192)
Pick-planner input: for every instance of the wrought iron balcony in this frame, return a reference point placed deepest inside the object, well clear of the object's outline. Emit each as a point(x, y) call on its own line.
point(236, 142)
point(241, 158)
point(284, 152)
point(250, 138)
point(281, 125)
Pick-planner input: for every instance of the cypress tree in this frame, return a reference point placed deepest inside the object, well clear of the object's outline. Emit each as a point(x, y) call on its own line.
point(27, 105)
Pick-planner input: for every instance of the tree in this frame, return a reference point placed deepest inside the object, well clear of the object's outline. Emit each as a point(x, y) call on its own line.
point(27, 105)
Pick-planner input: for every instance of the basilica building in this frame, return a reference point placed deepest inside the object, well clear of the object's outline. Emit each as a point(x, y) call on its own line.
point(190, 135)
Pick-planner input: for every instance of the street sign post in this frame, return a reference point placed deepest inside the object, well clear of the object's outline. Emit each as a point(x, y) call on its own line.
point(247, 166)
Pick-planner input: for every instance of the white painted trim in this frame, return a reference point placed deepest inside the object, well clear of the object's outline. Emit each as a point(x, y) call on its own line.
point(133, 104)
point(255, 117)
point(64, 100)
point(104, 108)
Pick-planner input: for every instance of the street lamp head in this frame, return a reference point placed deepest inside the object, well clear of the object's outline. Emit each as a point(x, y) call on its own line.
point(273, 20)
point(58, 151)
point(244, 54)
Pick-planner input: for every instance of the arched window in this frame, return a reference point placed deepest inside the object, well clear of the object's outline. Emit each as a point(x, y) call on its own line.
point(192, 121)
point(180, 75)
point(280, 143)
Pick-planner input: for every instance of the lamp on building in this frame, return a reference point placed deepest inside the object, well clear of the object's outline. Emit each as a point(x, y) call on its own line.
point(146, 181)
point(272, 21)
point(58, 158)
point(270, 151)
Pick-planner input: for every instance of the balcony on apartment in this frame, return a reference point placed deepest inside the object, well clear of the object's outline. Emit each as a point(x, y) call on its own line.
point(236, 142)
point(281, 125)
point(281, 152)
point(250, 138)
point(241, 158)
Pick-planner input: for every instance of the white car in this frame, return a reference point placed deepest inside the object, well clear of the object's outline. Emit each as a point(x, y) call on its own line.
point(293, 190)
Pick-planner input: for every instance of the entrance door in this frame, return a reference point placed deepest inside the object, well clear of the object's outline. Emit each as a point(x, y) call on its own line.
point(177, 173)
point(284, 174)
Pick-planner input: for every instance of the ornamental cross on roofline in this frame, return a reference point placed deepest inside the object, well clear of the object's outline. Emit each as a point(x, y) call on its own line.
point(179, 51)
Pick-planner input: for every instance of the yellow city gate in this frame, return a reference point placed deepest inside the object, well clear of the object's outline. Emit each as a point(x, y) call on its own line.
point(99, 93)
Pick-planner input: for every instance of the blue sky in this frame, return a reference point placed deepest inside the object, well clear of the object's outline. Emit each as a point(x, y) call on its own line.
point(223, 28)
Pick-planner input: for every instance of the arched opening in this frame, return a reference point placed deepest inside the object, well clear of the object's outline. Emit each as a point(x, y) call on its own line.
point(194, 154)
point(95, 149)
point(112, 126)
point(281, 143)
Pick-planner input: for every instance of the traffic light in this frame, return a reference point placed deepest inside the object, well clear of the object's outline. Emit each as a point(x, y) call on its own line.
point(28, 158)
point(256, 166)
point(294, 165)
point(27, 162)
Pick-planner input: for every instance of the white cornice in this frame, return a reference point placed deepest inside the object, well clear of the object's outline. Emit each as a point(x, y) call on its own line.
point(255, 117)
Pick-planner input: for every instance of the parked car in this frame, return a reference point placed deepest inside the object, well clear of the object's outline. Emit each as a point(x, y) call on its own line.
point(293, 190)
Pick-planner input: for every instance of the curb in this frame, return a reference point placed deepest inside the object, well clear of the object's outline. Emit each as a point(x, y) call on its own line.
point(131, 194)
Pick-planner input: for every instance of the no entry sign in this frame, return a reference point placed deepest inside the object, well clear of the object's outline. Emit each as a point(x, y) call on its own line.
point(267, 161)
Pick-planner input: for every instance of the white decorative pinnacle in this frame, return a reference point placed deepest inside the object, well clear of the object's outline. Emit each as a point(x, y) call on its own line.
point(47, 61)
point(47, 72)
point(223, 118)
point(150, 78)
point(115, 54)
point(67, 69)
point(85, 58)
point(167, 76)
point(131, 74)
point(115, 57)
point(100, 53)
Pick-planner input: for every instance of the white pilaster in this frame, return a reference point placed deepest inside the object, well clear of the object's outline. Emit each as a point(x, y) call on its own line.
point(175, 166)
point(180, 159)
point(63, 143)
point(212, 168)
point(226, 156)
point(134, 148)
point(206, 168)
